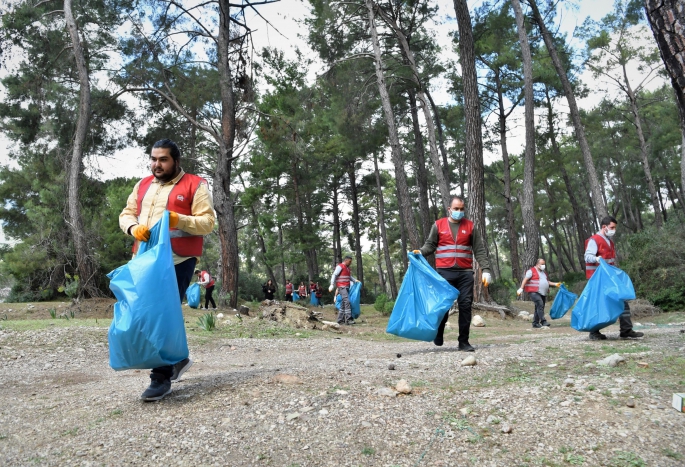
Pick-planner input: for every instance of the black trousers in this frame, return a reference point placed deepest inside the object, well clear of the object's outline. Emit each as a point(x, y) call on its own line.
point(208, 297)
point(184, 274)
point(625, 322)
point(288, 297)
point(463, 282)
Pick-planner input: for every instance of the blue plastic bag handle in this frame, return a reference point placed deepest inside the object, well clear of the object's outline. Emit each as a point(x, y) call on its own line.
point(159, 234)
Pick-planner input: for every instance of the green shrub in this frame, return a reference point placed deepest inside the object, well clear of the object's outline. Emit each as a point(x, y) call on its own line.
point(502, 291)
point(207, 321)
point(387, 309)
point(379, 304)
point(655, 261)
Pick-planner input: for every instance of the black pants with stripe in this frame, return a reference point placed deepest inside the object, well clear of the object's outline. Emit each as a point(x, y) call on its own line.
point(462, 280)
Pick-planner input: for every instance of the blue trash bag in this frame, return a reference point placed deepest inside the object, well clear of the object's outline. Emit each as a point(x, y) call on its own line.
point(422, 302)
point(148, 329)
point(313, 301)
point(193, 295)
point(562, 303)
point(602, 300)
point(338, 302)
point(355, 296)
point(296, 296)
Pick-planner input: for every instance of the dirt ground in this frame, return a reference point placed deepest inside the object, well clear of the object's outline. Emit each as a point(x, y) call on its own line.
point(261, 393)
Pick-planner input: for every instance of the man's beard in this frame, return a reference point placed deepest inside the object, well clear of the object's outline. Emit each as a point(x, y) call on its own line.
point(166, 176)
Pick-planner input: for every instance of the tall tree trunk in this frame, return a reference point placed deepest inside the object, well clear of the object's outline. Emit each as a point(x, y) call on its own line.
point(381, 224)
point(337, 244)
point(443, 184)
point(508, 205)
point(441, 137)
point(530, 224)
point(379, 265)
point(223, 198)
point(355, 222)
point(577, 214)
point(644, 150)
point(421, 174)
point(406, 216)
point(667, 19)
point(84, 263)
point(599, 205)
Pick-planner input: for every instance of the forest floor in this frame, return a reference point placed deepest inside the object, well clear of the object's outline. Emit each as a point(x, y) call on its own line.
point(263, 394)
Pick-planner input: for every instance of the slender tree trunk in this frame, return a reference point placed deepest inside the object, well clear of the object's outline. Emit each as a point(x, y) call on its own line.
point(508, 205)
point(381, 276)
point(355, 223)
point(441, 138)
point(381, 224)
point(667, 19)
point(223, 198)
point(473, 147)
point(84, 263)
point(406, 216)
point(443, 184)
point(661, 203)
point(597, 199)
point(421, 175)
point(530, 225)
point(281, 250)
point(337, 244)
point(644, 151)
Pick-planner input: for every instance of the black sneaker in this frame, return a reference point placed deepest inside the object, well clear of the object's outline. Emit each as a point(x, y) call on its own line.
point(545, 324)
point(537, 325)
point(180, 368)
point(631, 334)
point(597, 336)
point(351, 321)
point(466, 347)
point(159, 387)
point(439, 340)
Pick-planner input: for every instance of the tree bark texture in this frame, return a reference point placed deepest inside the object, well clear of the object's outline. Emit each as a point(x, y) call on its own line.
point(84, 264)
point(384, 235)
point(223, 199)
point(403, 199)
point(530, 223)
point(667, 19)
point(355, 222)
point(597, 199)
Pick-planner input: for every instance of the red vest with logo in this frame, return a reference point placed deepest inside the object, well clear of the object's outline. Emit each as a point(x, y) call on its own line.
point(345, 276)
point(289, 289)
point(533, 284)
point(211, 280)
point(302, 290)
point(605, 250)
point(451, 253)
point(180, 201)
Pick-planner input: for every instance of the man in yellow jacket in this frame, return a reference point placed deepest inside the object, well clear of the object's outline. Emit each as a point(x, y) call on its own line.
point(191, 215)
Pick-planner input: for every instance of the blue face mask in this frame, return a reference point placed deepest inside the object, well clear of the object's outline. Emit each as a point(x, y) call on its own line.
point(457, 215)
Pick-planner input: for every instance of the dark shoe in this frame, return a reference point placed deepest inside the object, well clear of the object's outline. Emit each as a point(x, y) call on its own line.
point(159, 387)
point(545, 324)
point(537, 325)
point(351, 321)
point(597, 336)
point(180, 368)
point(438, 340)
point(631, 334)
point(466, 347)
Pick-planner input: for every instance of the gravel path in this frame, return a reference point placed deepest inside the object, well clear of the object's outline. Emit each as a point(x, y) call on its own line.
point(61, 404)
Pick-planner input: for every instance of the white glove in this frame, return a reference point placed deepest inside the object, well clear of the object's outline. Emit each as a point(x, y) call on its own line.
point(597, 259)
point(519, 291)
point(330, 288)
point(487, 278)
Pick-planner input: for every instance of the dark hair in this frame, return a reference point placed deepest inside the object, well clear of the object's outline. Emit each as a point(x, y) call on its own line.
point(607, 220)
point(347, 257)
point(171, 146)
point(460, 198)
point(197, 271)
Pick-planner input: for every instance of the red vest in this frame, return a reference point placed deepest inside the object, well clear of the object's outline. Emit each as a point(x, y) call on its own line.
point(312, 288)
point(181, 201)
point(211, 280)
point(533, 284)
point(289, 289)
point(344, 277)
point(450, 253)
point(606, 251)
point(302, 290)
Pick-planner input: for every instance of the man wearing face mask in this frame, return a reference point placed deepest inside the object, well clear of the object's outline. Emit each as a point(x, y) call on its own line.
point(455, 242)
point(537, 285)
point(601, 245)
